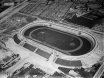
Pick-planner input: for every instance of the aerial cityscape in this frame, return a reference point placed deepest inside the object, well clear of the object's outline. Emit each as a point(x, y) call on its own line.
point(51, 39)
